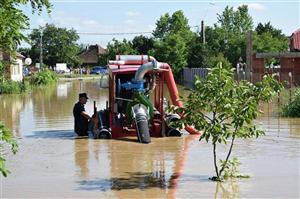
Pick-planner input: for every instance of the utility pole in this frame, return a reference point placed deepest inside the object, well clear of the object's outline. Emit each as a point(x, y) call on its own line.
point(203, 31)
point(41, 48)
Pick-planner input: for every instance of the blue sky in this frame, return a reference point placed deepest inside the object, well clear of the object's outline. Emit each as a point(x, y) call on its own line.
point(104, 16)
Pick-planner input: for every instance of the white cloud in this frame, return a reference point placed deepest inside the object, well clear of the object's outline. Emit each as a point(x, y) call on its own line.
point(129, 22)
point(254, 6)
point(132, 14)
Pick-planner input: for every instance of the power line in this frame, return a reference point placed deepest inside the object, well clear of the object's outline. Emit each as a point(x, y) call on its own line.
point(113, 33)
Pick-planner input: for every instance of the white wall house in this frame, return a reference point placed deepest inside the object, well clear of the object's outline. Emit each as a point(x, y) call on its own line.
point(15, 72)
point(16, 68)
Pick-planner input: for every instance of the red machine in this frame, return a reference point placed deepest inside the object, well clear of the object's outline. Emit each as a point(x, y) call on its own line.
point(137, 106)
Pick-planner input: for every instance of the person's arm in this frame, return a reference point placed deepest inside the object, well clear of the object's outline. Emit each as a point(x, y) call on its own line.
point(84, 114)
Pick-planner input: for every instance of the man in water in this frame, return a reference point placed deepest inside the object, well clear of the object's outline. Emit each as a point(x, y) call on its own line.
point(81, 118)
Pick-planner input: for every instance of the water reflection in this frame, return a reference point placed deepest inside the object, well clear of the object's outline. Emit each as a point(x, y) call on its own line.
point(81, 152)
point(11, 106)
point(229, 189)
point(135, 166)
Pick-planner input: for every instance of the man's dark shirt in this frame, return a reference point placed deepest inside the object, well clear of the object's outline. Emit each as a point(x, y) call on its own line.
point(81, 123)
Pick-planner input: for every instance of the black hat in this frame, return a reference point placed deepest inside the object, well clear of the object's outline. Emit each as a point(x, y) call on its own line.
point(83, 95)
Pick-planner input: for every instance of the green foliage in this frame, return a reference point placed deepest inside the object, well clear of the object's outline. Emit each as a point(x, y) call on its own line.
point(172, 49)
point(6, 138)
point(237, 21)
point(214, 60)
point(43, 78)
point(172, 35)
point(13, 21)
point(2, 69)
point(13, 87)
point(162, 26)
point(142, 44)
point(232, 107)
point(267, 27)
point(198, 53)
point(267, 42)
point(231, 169)
point(292, 109)
point(55, 40)
point(116, 47)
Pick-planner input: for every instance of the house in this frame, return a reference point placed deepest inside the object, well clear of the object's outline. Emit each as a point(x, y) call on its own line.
point(91, 55)
point(295, 41)
point(15, 71)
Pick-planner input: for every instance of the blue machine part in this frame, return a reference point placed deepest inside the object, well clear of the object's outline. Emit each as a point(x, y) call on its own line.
point(138, 85)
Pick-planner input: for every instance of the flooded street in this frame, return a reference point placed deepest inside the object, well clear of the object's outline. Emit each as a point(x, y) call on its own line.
point(53, 163)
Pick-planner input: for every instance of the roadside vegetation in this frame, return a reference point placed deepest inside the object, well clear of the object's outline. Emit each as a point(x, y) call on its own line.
point(43, 78)
point(225, 110)
point(173, 41)
point(13, 21)
point(292, 108)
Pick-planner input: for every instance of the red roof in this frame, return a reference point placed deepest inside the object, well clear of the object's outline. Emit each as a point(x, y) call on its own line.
point(295, 40)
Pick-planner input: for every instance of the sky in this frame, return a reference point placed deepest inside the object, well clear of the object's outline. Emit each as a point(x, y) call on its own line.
point(130, 16)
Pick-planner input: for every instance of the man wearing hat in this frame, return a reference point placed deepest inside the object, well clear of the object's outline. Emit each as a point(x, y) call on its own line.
point(81, 118)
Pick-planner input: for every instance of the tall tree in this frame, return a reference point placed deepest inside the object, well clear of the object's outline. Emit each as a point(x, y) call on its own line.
point(59, 45)
point(172, 35)
point(172, 49)
point(162, 26)
point(267, 27)
point(13, 21)
point(238, 21)
point(228, 36)
point(269, 39)
point(142, 44)
point(198, 53)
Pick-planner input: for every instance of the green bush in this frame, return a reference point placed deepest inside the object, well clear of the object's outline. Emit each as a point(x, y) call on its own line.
point(6, 138)
point(292, 109)
point(13, 87)
point(43, 78)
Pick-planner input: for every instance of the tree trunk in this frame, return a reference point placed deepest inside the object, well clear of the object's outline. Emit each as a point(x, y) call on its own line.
point(215, 161)
point(228, 155)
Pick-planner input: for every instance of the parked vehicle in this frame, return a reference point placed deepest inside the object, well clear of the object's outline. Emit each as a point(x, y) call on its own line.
point(98, 70)
point(26, 71)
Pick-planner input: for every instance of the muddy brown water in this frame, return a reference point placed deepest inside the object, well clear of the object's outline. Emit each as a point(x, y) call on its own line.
point(52, 163)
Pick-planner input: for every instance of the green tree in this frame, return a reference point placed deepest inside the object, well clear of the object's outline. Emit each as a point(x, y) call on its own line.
point(267, 38)
point(142, 44)
point(173, 35)
point(116, 47)
point(238, 21)
point(267, 27)
point(228, 35)
point(232, 107)
point(59, 45)
point(13, 21)
point(162, 26)
point(198, 53)
point(172, 49)
point(292, 108)
point(6, 137)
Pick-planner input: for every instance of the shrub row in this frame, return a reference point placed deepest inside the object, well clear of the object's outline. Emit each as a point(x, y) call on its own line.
point(292, 109)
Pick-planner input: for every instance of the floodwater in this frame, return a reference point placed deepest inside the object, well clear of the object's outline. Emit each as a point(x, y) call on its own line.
point(52, 163)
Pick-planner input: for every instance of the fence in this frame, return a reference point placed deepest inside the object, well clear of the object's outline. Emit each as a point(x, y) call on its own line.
point(189, 76)
point(190, 73)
